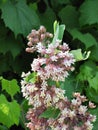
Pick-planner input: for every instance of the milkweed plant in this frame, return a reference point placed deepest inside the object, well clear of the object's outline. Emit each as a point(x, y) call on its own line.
point(50, 108)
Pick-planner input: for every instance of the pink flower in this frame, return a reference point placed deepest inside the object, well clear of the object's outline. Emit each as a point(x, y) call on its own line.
point(53, 64)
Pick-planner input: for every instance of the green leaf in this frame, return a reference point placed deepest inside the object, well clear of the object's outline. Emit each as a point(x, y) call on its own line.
point(95, 112)
point(19, 17)
point(33, 6)
point(55, 26)
point(69, 16)
point(1, 78)
point(58, 32)
point(2, 2)
point(94, 82)
point(51, 112)
point(61, 31)
point(91, 94)
point(63, 1)
point(3, 127)
point(51, 82)
point(9, 112)
point(9, 44)
point(79, 56)
point(87, 39)
point(87, 71)
point(24, 109)
point(89, 12)
point(24, 105)
point(47, 18)
point(31, 78)
point(11, 87)
point(69, 86)
point(94, 53)
point(6, 62)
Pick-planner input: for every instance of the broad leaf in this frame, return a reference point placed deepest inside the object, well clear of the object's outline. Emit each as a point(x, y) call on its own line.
point(89, 12)
point(87, 39)
point(2, 2)
point(51, 82)
point(47, 18)
point(9, 44)
point(6, 62)
point(9, 112)
point(87, 71)
point(79, 56)
point(94, 53)
point(19, 17)
point(94, 82)
point(63, 1)
point(69, 16)
point(31, 77)
point(11, 87)
point(2, 127)
point(58, 32)
point(24, 109)
point(51, 112)
point(59, 4)
point(91, 94)
point(69, 86)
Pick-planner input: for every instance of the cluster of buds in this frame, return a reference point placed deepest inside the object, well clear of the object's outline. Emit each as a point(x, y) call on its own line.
point(53, 64)
point(37, 36)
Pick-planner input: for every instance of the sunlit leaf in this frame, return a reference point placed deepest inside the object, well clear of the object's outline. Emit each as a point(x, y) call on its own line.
point(58, 32)
point(11, 87)
point(9, 112)
point(78, 55)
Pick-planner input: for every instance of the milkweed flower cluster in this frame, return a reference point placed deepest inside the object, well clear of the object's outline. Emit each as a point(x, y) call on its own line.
point(53, 64)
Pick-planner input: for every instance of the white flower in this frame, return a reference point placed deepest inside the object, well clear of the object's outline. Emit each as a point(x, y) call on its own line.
point(64, 127)
point(36, 101)
point(35, 65)
point(25, 74)
point(55, 99)
point(82, 109)
point(59, 93)
point(57, 128)
point(44, 85)
point(63, 54)
point(42, 61)
point(65, 46)
point(54, 58)
point(74, 102)
point(40, 48)
point(89, 125)
point(42, 94)
point(67, 63)
point(61, 119)
point(31, 88)
point(65, 112)
point(71, 114)
point(48, 100)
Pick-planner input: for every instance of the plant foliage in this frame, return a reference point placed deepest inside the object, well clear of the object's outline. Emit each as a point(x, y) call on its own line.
point(17, 19)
